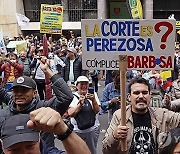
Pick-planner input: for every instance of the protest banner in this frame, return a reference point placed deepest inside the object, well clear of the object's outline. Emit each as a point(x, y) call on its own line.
point(177, 24)
point(22, 20)
point(2, 45)
point(18, 45)
point(21, 47)
point(135, 9)
point(51, 19)
point(149, 44)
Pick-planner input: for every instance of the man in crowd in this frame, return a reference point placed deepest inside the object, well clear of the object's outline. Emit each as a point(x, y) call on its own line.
point(111, 95)
point(39, 75)
point(23, 59)
point(24, 97)
point(20, 134)
point(143, 123)
point(73, 67)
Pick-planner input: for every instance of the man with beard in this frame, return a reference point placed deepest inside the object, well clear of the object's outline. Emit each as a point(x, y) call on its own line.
point(143, 123)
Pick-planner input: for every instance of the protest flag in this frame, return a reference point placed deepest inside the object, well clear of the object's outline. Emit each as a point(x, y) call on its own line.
point(48, 88)
point(22, 20)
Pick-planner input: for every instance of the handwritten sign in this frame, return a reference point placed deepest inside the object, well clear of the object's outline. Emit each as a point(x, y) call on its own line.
point(51, 19)
point(149, 44)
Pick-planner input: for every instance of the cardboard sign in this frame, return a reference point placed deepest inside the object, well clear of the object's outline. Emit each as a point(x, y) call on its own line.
point(51, 19)
point(149, 44)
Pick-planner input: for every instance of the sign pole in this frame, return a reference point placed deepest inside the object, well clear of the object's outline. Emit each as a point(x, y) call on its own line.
point(122, 69)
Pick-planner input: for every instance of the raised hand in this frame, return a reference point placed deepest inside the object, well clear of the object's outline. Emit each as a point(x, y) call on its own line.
point(47, 120)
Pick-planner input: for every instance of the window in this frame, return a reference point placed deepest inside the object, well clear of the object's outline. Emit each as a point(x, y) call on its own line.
point(164, 8)
point(32, 8)
point(74, 10)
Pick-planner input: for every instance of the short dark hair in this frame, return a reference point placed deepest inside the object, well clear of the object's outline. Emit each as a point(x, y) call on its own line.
point(115, 73)
point(12, 55)
point(138, 80)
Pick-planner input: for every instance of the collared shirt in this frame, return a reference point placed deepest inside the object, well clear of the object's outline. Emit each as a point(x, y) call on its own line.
point(109, 93)
point(71, 72)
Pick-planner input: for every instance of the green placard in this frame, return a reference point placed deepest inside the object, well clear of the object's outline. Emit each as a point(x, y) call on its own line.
point(119, 10)
point(177, 24)
point(133, 3)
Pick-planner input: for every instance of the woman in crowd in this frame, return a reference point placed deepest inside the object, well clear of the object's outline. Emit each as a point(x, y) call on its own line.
point(84, 109)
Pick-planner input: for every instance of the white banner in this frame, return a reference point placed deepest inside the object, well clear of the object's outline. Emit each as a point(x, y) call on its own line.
point(149, 44)
point(22, 20)
point(2, 45)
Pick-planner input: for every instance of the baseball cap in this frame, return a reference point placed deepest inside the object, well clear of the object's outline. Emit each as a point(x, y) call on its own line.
point(24, 81)
point(14, 130)
point(81, 79)
point(73, 50)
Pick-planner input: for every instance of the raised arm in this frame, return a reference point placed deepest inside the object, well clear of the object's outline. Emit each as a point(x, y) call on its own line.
point(4, 96)
point(48, 120)
point(63, 94)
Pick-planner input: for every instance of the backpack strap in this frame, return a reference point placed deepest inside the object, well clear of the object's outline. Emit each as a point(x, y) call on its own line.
point(35, 70)
point(76, 96)
point(84, 99)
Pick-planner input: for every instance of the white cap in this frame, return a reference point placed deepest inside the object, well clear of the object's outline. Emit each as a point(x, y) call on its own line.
point(73, 50)
point(82, 79)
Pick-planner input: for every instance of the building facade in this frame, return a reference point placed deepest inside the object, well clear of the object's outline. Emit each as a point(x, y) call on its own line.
point(74, 11)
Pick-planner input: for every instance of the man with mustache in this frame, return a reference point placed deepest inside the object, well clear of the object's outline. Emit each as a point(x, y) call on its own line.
point(24, 98)
point(143, 123)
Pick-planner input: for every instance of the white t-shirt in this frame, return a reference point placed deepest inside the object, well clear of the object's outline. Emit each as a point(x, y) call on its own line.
point(71, 73)
point(73, 104)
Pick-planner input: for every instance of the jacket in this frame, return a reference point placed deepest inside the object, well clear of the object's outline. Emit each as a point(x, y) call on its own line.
point(162, 120)
point(60, 102)
point(77, 69)
point(18, 70)
point(173, 105)
point(175, 90)
point(27, 68)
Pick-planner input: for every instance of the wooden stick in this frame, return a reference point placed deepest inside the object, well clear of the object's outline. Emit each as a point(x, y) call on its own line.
point(122, 69)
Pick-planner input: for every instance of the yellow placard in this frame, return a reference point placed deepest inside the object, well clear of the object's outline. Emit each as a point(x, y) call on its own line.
point(21, 47)
point(136, 9)
point(51, 19)
point(178, 31)
point(177, 24)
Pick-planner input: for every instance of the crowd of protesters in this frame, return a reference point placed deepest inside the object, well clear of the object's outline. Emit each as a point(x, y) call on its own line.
point(74, 97)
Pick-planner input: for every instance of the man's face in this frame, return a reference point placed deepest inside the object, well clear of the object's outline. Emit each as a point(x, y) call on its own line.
point(70, 54)
point(140, 98)
point(23, 55)
point(23, 148)
point(177, 149)
point(83, 87)
point(23, 96)
point(40, 52)
point(32, 48)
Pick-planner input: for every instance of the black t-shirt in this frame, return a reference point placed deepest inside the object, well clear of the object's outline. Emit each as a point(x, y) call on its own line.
point(142, 142)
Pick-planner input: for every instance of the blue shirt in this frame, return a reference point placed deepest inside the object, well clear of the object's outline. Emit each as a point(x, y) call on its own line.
point(49, 150)
point(109, 93)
